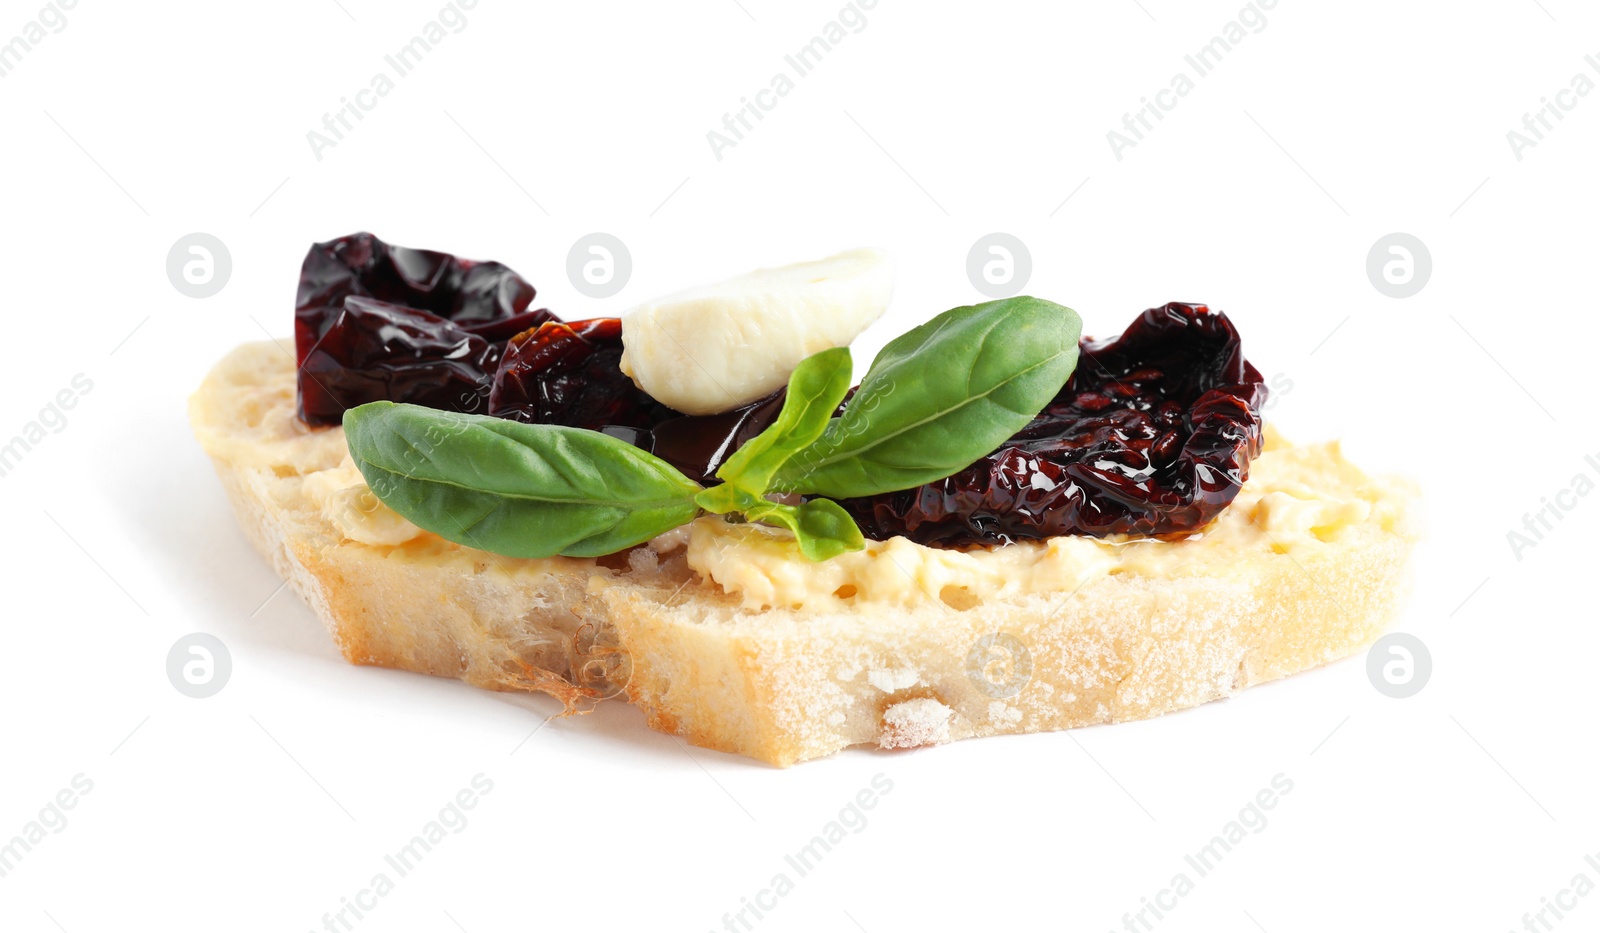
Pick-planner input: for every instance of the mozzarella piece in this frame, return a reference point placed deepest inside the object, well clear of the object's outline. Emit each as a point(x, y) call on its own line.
point(715, 347)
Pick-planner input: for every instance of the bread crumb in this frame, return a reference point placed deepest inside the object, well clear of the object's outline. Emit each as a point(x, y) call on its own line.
point(643, 560)
point(890, 680)
point(914, 723)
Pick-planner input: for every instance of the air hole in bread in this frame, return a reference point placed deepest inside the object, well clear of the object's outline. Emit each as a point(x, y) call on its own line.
point(617, 561)
point(848, 591)
point(959, 598)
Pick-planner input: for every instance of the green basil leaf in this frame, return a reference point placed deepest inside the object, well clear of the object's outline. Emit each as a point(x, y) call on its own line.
point(939, 397)
point(821, 527)
point(522, 490)
point(816, 387)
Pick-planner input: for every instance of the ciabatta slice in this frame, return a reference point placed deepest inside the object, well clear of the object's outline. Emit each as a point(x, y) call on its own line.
point(725, 635)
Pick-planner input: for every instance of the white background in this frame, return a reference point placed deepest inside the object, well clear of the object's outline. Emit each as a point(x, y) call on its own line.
point(1260, 193)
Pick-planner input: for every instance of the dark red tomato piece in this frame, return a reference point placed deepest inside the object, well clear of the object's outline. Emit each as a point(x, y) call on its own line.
point(419, 289)
point(569, 374)
point(375, 351)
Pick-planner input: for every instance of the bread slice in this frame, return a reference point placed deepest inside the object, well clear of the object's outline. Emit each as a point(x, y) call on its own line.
point(725, 636)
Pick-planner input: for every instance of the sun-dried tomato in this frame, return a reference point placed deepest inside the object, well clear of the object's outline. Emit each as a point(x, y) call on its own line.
point(374, 351)
point(420, 335)
point(569, 374)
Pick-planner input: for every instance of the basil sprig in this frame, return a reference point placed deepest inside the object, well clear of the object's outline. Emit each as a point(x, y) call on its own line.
point(821, 527)
point(934, 401)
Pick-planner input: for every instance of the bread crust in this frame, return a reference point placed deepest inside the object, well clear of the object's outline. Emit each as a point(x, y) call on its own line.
point(780, 685)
